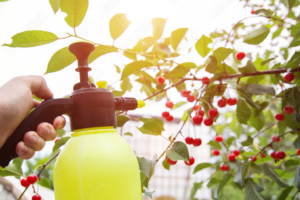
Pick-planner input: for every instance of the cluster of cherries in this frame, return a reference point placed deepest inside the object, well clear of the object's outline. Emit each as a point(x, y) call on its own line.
point(30, 180)
point(287, 110)
point(166, 114)
point(190, 163)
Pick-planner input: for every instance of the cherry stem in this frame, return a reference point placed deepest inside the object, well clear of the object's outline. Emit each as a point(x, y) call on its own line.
point(22, 194)
point(47, 163)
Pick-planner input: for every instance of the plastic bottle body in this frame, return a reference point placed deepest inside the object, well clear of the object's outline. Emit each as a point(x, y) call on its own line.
point(97, 164)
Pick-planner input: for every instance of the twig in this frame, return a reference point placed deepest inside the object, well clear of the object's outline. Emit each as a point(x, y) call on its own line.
point(22, 194)
point(264, 129)
point(47, 163)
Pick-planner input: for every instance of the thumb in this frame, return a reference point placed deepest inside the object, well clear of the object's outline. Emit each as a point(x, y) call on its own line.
point(38, 87)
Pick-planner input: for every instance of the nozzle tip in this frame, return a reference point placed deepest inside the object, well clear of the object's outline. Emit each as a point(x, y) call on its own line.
point(101, 84)
point(141, 103)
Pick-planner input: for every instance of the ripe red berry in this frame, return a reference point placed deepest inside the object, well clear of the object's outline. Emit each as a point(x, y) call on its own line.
point(205, 80)
point(197, 107)
point(236, 152)
point(36, 197)
point(252, 11)
point(231, 101)
point(273, 155)
point(171, 162)
point(197, 142)
point(165, 114)
point(24, 182)
point(219, 138)
point(189, 140)
point(185, 93)
point(200, 112)
point(221, 103)
point(280, 154)
point(288, 110)
point(298, 152)
point(262, 155)
point(161, 80)
point(191, 162)
point(197, 119)
point(240, 55)
point(279, 117)
point(216, 152)
point(191, 98)
point(31, 179)
point(170, 118)
point(224, 168)
point(231, 157)
point(169, 104)
point(208, 121)
point(57, 139)
point(253, 159)
point(289, 77)
point(274, 137)
point(213, 112)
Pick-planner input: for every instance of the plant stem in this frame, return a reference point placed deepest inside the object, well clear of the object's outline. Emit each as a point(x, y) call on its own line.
point(47, 163)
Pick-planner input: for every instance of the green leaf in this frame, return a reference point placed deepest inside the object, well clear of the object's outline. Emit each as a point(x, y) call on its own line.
point(178, 72)
point(202, 166)
point(118, 93)
point(257, 36)
point(13, 169)
point(126, 85)
point(60, 143)
point(213, 181)
point(121, 120)
point(295, 43)
point(201, 46)
point(55, 5)
point(212, 65)
point(179, 104)
point(134, 67)
point(285, 193)
point(129, 134)
point(44, 182)
point(258, 122)
point(158, 25)
point(118, 69)
point(248, 142)
point(243, 112)
point(297, 177)
point(288, 3)
point(178, 151)
point(223, 182)
point(263, 11)
point(296, 143)
point(251, 193)
point(100, 51)
point(294, 61)
point(162, 50)
point(152, 126)
point(196, 187)
point(239, 177)
point(214, 144)
point(291, 162)
point(165, 164)
point(146, 167)
point(61, 59)
point(32, 39)
point(148, 194)
point(222, 53)
point(257, 89)
point(250, 67)
point(117, 25)
point(177, 36)
point(75, 10)
point(277, 32)
point(271, 174)
point(147, 42)
point(267, 61)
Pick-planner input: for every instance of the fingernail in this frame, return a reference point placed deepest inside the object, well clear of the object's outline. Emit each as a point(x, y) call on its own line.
point(32, 140)
point(24, 150)
point(46, 131)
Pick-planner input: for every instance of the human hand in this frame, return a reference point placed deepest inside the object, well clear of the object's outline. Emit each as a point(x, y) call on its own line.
point(15, 103)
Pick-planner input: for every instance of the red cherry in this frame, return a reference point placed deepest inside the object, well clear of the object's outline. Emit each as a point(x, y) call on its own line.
point(252, 11)
point(185, 93)
point(24, 182)
point(274, 137)
point(170, 118)
point(221, 103)
point(191, 162)
point(161, 80)
point(213, 112)
point(236, 152)
point(169, 104)
point(36, 197)
point(288, 110)
point(231, 101)
point(240, 55)
point(280, 154)
point(165, 114)
point(57, 139)
point(31, 179)
point(219, 138)
point(289, 77)
point(262, 155)
point(197, 107)
point(197, 119)
point(253, 159)
point(189, 140)
point(205, 80)
point(191, 98)
point(216, 152)
point(197, 142)
point(261, 6)
point(208, 121)
point(200, 112)
point(273, 155)
point(224, 168)
point(298, 152)
point(279, 117)
point(171, 162)
point(231, 157)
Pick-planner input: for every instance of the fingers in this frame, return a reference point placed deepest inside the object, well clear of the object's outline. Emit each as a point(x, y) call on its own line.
point(34, 141)
point(46, 131)
point(38, 86)
point(59, 122)
point(36, 103)
point(24, 151)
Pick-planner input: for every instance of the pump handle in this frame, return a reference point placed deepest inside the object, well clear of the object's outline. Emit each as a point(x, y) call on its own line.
point(47, 111)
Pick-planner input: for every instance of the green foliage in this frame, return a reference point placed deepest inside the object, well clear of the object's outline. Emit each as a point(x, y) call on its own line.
point(202, 46)
point(158, 27)
point(75, 10)
point(152, 126)
point(202, 166)
point(100, 51)
point(177, 36)
point(178, 151)
point(257, 36)
point(117, 25)
point(55, 5)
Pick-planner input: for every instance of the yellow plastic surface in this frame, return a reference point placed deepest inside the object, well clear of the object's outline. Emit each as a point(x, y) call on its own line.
point(101, 84)
point(97, 164)
point(141, 103)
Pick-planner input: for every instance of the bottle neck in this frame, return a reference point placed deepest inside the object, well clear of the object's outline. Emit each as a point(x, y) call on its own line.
point(94, 130)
